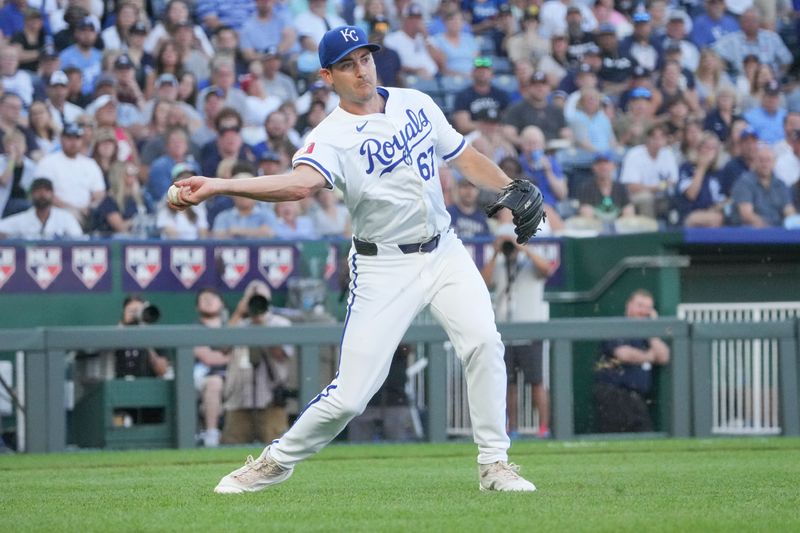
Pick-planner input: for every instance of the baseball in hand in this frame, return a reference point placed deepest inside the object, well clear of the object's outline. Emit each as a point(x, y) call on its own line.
point(174, 195)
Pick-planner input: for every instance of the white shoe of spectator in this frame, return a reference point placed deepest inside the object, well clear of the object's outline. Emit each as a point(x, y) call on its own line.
point(255, 475)
point(504, 477)
point(211, 438)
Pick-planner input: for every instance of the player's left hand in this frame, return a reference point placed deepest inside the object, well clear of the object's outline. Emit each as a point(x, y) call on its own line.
point(192, 191)
point(526, 203)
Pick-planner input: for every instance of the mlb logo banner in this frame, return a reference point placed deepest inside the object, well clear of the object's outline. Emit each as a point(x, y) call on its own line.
point(142, 263)
point(90, 264)
point(43, 264)
point(233, 264)
point(188, 263)
point(276, 264)
point(8, 264)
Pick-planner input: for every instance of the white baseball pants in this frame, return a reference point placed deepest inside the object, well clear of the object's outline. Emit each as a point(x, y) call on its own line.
point(386, 292)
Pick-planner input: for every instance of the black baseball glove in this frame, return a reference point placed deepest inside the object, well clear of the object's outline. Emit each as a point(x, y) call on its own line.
point(526, 203)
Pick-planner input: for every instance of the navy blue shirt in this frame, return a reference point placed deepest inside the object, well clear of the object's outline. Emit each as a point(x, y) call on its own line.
point(635, 377)
point(731, 172)
point(710, 191)
point(470, 100)
point(468, 226)
point(714, 122)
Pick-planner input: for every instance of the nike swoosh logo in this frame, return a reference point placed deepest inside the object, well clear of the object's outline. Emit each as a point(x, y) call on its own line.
point(361, 127)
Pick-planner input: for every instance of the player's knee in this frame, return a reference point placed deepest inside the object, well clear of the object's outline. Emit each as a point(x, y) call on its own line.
point(351, 407)
point(487, 344)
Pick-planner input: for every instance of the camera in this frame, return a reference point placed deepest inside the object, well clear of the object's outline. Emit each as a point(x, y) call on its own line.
point(149, 314)
point(257, 305)
point(507, 248)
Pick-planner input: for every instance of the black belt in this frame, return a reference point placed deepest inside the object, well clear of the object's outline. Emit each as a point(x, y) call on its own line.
point(370, 248)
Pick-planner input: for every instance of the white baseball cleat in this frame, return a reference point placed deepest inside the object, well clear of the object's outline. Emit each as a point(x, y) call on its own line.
point(255, 475)
point(504, 477)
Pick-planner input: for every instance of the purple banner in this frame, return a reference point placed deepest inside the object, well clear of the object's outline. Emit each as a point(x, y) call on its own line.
point(177, 267)
point(54, 267)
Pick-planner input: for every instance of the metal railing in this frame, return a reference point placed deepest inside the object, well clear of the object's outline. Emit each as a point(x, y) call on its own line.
point(689, 371)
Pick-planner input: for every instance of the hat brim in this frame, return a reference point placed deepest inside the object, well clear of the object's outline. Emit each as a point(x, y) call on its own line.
point(372, 47)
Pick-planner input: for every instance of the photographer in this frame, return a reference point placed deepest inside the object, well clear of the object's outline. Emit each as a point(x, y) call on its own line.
point(516, 276)
point(255, 389)
point(139, 362)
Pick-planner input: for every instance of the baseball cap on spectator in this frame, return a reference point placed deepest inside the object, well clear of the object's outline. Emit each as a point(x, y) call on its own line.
point(339, 42)
point(85, 23)
point(606, 155)
point(748, 133)
point(41, 183)
point(58, 78)
point(672, 46)
point(573, 9)
point(318, 86)
point(270, 52)
point(138, 27)
point(269, 155)
point(72, 130)
point(559, 94)
point(99, 103)
point(606, 28)
point(641, 17)
point(487, 114)
point(641, 92)
point(482, 61)
point(123, 62)
point(167, 78)
point(104, 79)
point(531, 13)
point(538, 77)
point(772, 87)
point(183, 168)
point(214, 91)
point(677, 15)
point(413, 9)
point(504, 9)
point(591, 49)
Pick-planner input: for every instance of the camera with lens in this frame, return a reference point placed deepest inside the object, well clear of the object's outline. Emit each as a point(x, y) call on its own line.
point(507, 248)
point(257, 305)
point(281, 395)
point(148, 314)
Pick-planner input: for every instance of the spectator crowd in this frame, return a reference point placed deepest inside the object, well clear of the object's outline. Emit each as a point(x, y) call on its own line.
point(630, 115)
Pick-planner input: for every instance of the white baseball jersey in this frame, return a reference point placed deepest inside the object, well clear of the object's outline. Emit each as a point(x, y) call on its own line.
point(386, 165)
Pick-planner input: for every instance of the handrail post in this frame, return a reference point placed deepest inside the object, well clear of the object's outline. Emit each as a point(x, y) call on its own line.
point(702, 395)
point(787, 373)
point(562, 390)
point(185, 399)
point(309, 373)
point(436, 392)
point(680, 416)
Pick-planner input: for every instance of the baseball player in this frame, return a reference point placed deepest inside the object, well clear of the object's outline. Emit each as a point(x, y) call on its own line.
point(380, 146)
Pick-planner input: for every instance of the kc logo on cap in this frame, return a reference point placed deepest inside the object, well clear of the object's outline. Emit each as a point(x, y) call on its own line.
point(338, 42)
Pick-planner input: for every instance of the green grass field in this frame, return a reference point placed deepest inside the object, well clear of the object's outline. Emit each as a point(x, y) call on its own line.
point(664, 485)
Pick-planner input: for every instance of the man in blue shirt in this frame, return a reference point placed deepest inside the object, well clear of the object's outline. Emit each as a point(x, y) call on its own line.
point(713, 24)
point(270, 26)
point(767, 119)
point(760, 199)
point(83, 55)
point(465, 216)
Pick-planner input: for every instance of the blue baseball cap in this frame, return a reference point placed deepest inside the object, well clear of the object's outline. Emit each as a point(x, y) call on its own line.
point(607, 155)
point(339, 42)
point(641, 16)
point(641, 92)
point(748, 132)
